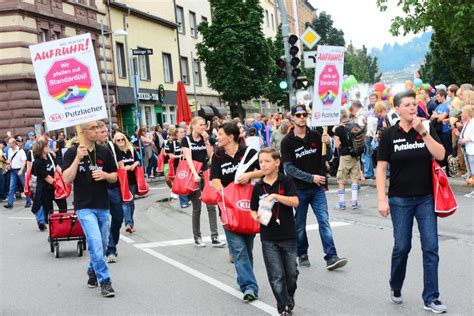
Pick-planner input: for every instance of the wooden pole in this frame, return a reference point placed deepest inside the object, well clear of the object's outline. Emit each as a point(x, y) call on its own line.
point(79, 134)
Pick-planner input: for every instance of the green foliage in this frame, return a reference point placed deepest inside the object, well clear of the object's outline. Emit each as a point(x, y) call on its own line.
point(452, 46)
point(235, 51)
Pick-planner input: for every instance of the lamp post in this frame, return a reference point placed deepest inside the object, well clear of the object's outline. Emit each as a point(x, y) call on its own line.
point(104, 59)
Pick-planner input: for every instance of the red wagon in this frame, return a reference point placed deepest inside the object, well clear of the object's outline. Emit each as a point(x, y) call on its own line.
point(65, 226)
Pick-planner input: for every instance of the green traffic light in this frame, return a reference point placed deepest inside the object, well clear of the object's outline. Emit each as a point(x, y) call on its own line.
point(283, 85)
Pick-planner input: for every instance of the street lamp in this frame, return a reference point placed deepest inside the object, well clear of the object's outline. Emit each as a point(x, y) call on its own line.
point(104, 59)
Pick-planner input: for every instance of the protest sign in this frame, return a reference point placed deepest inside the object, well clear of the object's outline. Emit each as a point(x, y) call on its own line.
point(327, 86)
point(68, 81)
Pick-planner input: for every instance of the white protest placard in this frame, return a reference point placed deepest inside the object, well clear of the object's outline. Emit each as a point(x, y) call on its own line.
point(328, 86)
point(68, 81)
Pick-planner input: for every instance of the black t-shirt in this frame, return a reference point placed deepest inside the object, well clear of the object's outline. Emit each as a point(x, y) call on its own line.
point(304, 154)
point(42, 168)
point(410, 161)
point(224, 167)
point(173, 147)
point(60, 144)
point(341, 132)
point(129, 159)
point(117, 155)
point(29, 155)
point(284, 185)
point(198, 150)
point(89, 193)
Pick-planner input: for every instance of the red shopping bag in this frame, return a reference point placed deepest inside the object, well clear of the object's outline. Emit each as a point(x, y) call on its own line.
point(445, 203)
point(184, 183)
point(171, 172)
point(27, 189)
point(122, 177)
point(161, 163)
point(142, 186)
point(61, 189)
point(209, 193)
point(234, 203)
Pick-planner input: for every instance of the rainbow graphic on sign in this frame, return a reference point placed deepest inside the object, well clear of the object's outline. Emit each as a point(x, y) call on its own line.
point(72, 94)
point(328, 85)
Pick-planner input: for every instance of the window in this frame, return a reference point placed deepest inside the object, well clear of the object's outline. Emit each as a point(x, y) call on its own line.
point(203, 19)
point(121, 68)
point(167, 68)
point(171, 115)
point(43, 35)
point(180, 19)
point(144, 66)
point(192, 23)
point(266, 17)
point(273, 23)
point(184, 70)
point(56, 35)
point(148, 121)
point(197, 72)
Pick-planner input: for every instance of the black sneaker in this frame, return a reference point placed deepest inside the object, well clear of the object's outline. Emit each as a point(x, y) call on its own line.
point(106, 289)
point(396, 296)
point(303, 261)
point(291, 303)
point(42, 226)
point(335, 263)
point(8, 206)
point(27, 205)
point(216, 243)
point(92, 282)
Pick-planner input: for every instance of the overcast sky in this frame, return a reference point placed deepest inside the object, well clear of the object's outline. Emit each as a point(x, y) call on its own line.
point(362, 22)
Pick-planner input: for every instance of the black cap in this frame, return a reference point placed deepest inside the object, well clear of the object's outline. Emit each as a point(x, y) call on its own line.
point(298, 108)
point(19, 139)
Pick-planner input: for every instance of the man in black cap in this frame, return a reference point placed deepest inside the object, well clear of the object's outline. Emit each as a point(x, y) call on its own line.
point(302, 159)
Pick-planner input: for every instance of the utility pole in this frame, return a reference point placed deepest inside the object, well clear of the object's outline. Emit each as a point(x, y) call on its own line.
point(285, 29)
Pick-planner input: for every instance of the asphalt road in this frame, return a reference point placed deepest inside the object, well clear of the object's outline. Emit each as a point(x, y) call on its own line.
point(160, 272)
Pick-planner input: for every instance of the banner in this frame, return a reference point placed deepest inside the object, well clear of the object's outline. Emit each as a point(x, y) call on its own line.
point(328, 86)
point(68, 81)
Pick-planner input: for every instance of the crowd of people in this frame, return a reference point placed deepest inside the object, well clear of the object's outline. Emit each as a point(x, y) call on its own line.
point(288, 162)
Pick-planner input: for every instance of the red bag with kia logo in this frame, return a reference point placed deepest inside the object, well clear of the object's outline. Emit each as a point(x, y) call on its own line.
point(445, 203)
point(122, 177)
point(160, 165)
point(234, 203)
point(61, 189)
point(184, 183)
point(171, 172)
point(209, 193)
point(142, 186)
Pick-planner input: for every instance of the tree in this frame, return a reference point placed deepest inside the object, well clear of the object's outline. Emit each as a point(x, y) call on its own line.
point(235, 51)
point(451, 46)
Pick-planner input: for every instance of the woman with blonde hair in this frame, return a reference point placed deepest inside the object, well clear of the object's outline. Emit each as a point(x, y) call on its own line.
point(130, 162)
point(196, 146)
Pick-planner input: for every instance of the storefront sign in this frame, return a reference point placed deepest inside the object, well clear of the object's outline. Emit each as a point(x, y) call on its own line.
point(68, 81)
point(147, 96)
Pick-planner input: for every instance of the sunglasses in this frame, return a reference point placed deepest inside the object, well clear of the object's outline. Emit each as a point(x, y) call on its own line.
point(299, 115)
point(121, 140)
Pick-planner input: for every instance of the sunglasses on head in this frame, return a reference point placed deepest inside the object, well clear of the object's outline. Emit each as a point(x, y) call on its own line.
point(299, 115)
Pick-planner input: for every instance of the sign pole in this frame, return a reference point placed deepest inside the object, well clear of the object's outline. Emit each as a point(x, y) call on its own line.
point(107, 93)
point(136, 103)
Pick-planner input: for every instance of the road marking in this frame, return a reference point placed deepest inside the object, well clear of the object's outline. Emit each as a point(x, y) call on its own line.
point(159, 188)
point(126, 239)
point(19, 217)
point(218, 284)
point(189, 241)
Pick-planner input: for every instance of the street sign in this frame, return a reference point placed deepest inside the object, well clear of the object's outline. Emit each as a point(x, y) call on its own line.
point(310, 59)
point(142, 51)
point(310, 37)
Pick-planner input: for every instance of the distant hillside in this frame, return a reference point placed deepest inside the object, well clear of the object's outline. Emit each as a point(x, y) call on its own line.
point(400, 57)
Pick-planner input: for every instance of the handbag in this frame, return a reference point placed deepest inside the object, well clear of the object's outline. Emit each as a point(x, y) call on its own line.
point(234, 202)
point(171, 172)
point(62, 190)
point(122, 177)
point(445, 203)
point(209, 193)
point(142, 186)
point(184, 183)
point(161, 162)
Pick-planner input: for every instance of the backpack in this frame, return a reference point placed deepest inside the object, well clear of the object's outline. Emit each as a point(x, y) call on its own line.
point(355, 139)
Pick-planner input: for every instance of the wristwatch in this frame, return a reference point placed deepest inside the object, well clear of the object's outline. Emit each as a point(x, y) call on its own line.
point(424, 134)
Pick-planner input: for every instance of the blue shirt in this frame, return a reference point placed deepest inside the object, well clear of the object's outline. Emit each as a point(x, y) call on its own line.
point(440, 109)
point(258, 126)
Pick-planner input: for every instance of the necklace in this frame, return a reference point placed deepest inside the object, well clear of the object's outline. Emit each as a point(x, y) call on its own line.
point(95, 157)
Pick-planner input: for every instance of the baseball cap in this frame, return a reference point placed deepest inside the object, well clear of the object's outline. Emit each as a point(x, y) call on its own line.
point(298, 108)
point(441, 87)
point(31, 134)
point(19, 139)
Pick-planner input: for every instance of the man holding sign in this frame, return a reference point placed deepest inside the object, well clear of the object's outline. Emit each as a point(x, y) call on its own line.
point(91, 167)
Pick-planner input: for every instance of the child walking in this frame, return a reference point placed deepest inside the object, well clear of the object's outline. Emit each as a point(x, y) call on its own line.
point(278, 236)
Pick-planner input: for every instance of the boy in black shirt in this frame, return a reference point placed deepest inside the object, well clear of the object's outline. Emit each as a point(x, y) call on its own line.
point(91, 167)
point(279, 235)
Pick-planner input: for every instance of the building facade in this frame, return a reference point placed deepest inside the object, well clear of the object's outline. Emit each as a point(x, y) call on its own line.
point(27, 22)
point(306, 13)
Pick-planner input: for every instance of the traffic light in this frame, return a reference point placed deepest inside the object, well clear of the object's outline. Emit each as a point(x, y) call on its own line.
point(281, 73)
point(295, 61)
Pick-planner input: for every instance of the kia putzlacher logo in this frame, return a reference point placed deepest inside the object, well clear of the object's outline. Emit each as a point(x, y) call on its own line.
point(56, 117)
point(244, 205)
point(182, 174)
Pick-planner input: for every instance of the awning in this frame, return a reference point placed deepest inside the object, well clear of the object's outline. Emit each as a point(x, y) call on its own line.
point(219, 111)
point(206, 111)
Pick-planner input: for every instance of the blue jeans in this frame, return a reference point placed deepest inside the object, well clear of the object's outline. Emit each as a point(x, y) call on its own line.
point(183, 200)
point(366, 158)
point(403, 210)
point(96, 226)
point(317, 198)
point(241, 247)
point(3, 189)
point(14, 178)
point(152, 164)
point(279, 257)
point(116, 212)
point(129, 207)
point(40, 216)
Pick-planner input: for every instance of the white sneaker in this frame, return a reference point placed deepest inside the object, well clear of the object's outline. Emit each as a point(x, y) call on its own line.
point(111, 258)
point(198, 243)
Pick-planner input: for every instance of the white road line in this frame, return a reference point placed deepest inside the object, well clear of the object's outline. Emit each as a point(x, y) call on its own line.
point(19, 217)
point(221, 286)
point(126, 239)
point(189, 241)
point(159, 188)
